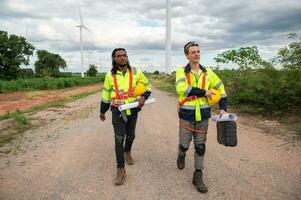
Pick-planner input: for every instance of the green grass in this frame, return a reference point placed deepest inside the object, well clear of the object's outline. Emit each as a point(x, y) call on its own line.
point(59, 103)
point(7, 115)
point(47, 83)
point(20, 119)
point(53, 103)
point(22, 123)
point(163, 82)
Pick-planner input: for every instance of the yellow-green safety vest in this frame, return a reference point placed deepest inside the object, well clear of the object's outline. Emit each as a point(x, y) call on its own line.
point(183, 89)
point(108, 94)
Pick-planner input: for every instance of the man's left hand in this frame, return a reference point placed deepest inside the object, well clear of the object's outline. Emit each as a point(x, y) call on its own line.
point(142, 101)
point(222, 112)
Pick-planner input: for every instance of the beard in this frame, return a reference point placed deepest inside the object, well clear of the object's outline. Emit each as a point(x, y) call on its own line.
point(123, 65)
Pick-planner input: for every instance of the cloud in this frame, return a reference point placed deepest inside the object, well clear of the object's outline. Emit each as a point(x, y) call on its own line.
point(139, 26)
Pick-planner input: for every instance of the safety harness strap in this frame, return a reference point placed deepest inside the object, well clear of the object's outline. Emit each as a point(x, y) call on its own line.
point(204, 81)
point(191, 98)
point(124, 95)
point(191, 129)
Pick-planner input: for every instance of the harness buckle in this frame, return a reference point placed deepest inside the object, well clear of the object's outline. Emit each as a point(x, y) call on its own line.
point(191, 98)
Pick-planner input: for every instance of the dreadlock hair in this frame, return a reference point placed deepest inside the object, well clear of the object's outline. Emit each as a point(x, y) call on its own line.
point(114, 64)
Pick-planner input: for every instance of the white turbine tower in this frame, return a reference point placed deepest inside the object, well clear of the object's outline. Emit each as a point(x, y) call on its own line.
point(81, 27)
point(168, 37)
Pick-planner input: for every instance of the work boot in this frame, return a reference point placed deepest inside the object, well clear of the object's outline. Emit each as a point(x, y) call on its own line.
point(121, 175)
point(198, 182)
point(181, 161)
point(128, 158)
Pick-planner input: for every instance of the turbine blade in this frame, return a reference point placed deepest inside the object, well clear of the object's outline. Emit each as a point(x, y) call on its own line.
point(80, 15)
point(87, 28)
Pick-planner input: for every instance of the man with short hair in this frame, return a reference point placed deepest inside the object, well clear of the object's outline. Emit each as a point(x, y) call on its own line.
point(193, 84)
point(118, 89)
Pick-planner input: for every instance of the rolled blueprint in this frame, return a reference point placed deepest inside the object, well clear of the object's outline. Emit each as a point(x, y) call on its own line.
point(224, 117)
point(134, 104)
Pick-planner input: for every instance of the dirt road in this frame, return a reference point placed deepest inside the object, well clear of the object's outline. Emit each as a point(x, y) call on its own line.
point(71, 156)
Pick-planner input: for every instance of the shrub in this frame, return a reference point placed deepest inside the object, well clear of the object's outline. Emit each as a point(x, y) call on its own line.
point(47, 83)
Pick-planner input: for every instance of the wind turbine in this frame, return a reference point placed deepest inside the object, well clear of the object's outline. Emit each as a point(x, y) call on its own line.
point(168, 37)
point(81, 27)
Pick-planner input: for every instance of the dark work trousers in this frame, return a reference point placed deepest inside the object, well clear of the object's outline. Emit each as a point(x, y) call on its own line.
point(122, 130)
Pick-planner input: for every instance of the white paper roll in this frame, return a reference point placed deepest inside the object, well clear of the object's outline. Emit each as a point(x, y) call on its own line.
point(225, 117)
point(135, 104)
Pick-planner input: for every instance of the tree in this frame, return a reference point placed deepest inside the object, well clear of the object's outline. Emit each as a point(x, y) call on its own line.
point(26, 73)
point(92, 71)
point(49, 64)
point(290, 57)
point(14, 51)
point(156, 72)
point(244, 57)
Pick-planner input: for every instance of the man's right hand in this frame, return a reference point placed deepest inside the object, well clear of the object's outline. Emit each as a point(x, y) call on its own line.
point(208, 94)
point(102, 117)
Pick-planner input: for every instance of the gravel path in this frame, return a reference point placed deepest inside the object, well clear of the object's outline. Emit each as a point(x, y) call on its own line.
point(71, 156)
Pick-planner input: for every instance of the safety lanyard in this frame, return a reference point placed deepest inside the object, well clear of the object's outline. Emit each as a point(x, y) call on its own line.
point(191, 129)
point(203, 79)
point(123, 95)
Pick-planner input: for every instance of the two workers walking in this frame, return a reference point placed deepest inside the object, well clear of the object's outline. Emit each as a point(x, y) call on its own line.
point(193, 84)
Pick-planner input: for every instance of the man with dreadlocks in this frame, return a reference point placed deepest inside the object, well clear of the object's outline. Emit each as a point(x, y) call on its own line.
point(118, 89)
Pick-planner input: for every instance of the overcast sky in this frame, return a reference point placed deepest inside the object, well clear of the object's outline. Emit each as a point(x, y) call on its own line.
point(139, 27)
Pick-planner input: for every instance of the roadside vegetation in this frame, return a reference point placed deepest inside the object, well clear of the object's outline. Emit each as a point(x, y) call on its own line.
point(268, 89)
point(47, 73)
point(49, 83)
point(20, 121)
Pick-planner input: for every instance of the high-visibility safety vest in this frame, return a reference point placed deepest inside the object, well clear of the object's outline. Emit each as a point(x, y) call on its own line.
point(119, 89)
point(185, 80)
